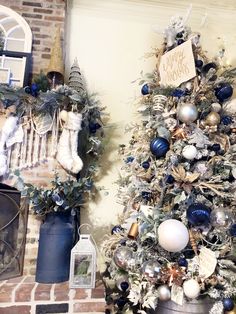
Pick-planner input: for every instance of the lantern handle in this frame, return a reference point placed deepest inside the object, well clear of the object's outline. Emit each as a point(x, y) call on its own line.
point(83, 225)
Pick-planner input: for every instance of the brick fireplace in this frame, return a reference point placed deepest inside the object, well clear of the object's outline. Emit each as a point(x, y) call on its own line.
point(22, 295)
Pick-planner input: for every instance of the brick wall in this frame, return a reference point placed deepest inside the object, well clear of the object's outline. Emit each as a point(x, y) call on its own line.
point(22, 296)
point(43, 18)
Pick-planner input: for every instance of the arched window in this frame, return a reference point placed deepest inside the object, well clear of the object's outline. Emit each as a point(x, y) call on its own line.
point(15, 57)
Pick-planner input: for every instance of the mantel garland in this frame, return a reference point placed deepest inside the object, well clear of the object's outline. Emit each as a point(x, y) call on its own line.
point(176, 239)
point(48, 123)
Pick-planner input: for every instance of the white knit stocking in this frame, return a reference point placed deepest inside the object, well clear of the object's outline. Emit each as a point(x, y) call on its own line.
point(67, 154)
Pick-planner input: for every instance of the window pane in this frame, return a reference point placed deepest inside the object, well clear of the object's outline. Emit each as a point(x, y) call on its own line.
point(15, 45)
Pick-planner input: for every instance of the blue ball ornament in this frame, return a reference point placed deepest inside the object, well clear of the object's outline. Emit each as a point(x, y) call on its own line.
point(223, 92)
point(145, 89)
point(178, 92)
point(121, 302)
point(146, 164)
point(124, 285)
point(34, 90)
point(129, 159)
point(226, 120)
point(198, 63)
point(116, 229)
point(228, 304)
point(27, 89)
point(207, 67)
point(183, 262)
point(198, 214)
point(215, 147)
point(232, 230)
point(170, 179)
point(146, 195)
point(180, 41)
point(159, 146)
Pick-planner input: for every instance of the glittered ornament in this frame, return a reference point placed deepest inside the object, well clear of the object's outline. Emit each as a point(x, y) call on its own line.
point(151, 270)
point(173, 235)
point(228, 304)
point(173, 274)
point(223, 91)
point(221, 218)
point(232, 230)
point(122, 255)
point(191, 288)
point(212, 119)
point(145, 89)
point(187, 113)
point(198, 214)
point(163, 293)
point(189, 152)
point(159, 146)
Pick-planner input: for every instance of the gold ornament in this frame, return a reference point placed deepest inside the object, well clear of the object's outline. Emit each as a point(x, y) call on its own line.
point(133, 231)
point(212, 119)
point(231, 312)
point(136, 206)
point(192, 241)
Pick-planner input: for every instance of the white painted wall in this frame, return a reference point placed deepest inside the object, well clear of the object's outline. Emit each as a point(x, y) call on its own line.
point(110, 38)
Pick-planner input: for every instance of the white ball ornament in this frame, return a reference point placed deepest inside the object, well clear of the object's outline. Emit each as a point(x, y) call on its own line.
point(189, 152)
point(191, 288)
point(187, 113)
point(173, 236)
point(230, 106)
point(63, 115)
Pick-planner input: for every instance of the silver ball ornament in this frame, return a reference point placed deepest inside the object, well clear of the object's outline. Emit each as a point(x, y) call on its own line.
point(221, 218)
point(151, 270)
point(163, 293)
point(122, 256)
point(189, 152)
point(187, 113)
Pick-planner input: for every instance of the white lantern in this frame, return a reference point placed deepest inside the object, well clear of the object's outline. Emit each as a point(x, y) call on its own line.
point(173, 236)
point(191, 288)
point(83, 263)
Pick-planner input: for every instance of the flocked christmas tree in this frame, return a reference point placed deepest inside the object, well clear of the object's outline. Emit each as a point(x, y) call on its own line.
point(176, 240)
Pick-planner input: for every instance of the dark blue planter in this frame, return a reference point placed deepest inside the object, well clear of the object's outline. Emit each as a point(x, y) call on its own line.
point(55, 244)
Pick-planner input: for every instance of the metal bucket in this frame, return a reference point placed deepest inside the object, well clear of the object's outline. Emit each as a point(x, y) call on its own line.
point(201, 306)
point(55, 244)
